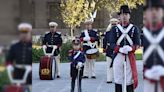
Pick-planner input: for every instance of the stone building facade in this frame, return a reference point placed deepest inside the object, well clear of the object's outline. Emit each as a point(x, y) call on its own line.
point(38, 13)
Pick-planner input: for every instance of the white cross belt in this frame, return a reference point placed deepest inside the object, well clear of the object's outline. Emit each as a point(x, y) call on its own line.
point(124, 34)
point(154, 44)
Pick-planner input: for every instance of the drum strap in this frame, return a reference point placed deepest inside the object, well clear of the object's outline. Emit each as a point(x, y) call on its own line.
point(92, 45)
point(89, 43)
point(124, 34)
point(78, 53)
point(154, 44)
point(86, 33)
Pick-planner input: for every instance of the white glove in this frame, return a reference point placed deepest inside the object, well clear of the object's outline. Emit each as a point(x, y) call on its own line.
point(44, 47)
point(123, 50)
point(10, 67)
point(28, 68)
point(155, 72)
point(128, 48)
point(86, 38)
point(79, 64)
point(55, 47)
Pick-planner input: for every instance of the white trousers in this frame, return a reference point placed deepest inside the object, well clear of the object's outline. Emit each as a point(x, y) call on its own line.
point(150, 87)
point(57, 58)
point(89, 67)
point(118, 69)
point(109, 69)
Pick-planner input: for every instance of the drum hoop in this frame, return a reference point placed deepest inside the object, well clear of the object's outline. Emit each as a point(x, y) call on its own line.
point(96, 50)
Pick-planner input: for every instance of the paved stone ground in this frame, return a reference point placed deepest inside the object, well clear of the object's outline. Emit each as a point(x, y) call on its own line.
point(89, 85)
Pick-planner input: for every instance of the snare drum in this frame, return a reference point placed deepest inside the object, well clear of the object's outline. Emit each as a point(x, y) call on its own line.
point(92, 53)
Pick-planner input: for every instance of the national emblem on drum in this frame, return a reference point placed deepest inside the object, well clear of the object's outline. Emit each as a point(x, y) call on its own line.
point(45, 71)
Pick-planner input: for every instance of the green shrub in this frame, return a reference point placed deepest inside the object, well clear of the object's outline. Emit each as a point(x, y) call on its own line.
point(101, 57)
point(138, 56)
point(36, 54)
point(2, 59)
point(4, 80)
point(64, 51)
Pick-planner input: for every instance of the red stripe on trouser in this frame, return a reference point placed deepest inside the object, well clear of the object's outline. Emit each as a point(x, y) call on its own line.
point(133, 68)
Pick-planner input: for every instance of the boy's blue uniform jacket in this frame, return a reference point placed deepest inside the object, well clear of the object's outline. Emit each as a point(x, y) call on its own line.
point(80, 58)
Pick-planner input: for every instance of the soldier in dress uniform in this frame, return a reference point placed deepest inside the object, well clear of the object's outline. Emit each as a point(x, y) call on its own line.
point(108, 50)
point(124, 41)
point(20, 53)
point(89, 35)
point(53, 38)
point(77, 59)
point(153, 44)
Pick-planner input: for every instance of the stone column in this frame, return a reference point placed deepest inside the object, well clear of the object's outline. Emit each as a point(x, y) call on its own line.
point(40, 14)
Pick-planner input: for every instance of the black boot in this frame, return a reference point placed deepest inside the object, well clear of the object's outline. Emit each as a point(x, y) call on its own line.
point(130, 88)
point(118, 88)
point(72, 90)
point(80, 85)
point(72, 85)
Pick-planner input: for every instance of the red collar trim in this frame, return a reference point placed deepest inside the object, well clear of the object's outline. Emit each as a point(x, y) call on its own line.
point(156, 27)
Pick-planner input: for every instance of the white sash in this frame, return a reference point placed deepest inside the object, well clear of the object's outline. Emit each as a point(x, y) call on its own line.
point(154, 44)
point(86, 33)
point(89, 43)
point(124, 34)
point(92, 45)
point(78, 53)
